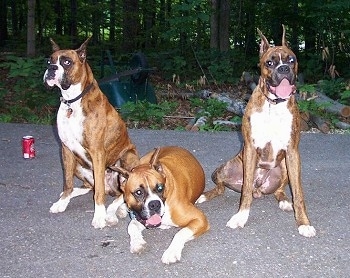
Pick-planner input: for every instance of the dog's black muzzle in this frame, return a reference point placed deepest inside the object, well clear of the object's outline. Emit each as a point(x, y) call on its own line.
point(51, 71)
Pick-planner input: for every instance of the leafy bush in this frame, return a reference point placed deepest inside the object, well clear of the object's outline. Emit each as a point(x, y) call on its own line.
point(143, 111)
point(24, 93)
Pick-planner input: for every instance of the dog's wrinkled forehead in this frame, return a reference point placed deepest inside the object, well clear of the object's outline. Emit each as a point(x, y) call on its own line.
point(63, 56)
point(279, 54)
point(144, 177)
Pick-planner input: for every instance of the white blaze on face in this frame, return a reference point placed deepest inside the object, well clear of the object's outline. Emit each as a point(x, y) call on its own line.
point(58, 75)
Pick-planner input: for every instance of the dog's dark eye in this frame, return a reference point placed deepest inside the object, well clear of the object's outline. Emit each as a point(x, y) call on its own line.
point(67, 62)
point(138, 193)
point(292, 60)
point(160, 188)
point(269, 63)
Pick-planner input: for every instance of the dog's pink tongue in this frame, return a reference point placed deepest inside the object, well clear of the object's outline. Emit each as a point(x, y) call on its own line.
point(154, 220)
point(284, 89)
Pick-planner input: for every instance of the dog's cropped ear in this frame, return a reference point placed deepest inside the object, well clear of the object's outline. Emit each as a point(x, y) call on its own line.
point(154, 158)
point(264, 44)
point(120, 170)
point(55, 46)
point(123, 175)
point(82, 50)
point(284, 41)
point(155, 164)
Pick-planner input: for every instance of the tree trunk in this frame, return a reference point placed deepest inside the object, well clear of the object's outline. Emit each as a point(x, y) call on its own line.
point(214, 25)
point(73, 24)
point(112, 22)
point(130, 24)
point(3, 23)
point(31, 29)
point(149, 16)
point(59, 18)
point(224, 33)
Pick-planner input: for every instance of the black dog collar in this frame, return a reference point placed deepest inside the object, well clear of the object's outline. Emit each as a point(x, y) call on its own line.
point(84, 92)
point(69, 101)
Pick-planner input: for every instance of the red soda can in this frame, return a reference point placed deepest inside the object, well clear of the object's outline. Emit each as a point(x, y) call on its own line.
point(28, 147)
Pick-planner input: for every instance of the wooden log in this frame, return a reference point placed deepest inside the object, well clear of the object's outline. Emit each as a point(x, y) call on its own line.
point(321, 124)
point(236, 106)
point(331, 105)
point(200, 122)
point(248, 79)
point(229, 123)
point(342, 125)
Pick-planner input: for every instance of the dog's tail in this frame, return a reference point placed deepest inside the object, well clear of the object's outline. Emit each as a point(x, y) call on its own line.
point(216, 191)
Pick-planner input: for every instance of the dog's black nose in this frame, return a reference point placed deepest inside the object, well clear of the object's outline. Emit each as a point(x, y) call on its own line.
point(154, 205)
point(283, 69)
point(52, 67)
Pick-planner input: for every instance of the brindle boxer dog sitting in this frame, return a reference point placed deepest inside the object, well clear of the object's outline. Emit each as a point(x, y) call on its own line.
point(161, 191)
point(270, 157)
point(93, 134)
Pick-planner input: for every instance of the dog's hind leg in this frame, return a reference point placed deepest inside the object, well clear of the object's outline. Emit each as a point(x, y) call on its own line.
point(229, 174)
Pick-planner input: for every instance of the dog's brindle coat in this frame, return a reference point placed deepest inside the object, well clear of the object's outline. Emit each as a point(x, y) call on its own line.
point(92, 133)
point(270, 157)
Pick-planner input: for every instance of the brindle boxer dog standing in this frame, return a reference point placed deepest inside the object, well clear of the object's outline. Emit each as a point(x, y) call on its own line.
point(92, 133)
point(270, 157)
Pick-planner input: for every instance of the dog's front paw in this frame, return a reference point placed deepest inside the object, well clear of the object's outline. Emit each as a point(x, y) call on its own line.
point(60, 205)
point(137, 245)
point(99, 220)
point(171, 255)
point(238, 220)
point(111, 219)
point(307, 230)
point(122, 211)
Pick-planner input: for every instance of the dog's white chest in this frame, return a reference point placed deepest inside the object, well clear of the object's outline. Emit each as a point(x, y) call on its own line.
point(273, 124)
point(70, 128)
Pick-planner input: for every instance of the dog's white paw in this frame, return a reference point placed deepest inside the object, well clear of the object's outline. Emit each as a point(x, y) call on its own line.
point(201, 199)
point(99, 220)
point(307, 230)
point(137, 245)
point(111, 219)
point(285, 205)
point(172, 255)
point(122, 211)
point(60, 205)
point(238, 220)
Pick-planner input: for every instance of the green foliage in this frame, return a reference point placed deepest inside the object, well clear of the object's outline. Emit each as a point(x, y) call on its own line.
point(335, 89)
point(212, 109)
point(143, 111)
point(25, 91)
point(345, 97)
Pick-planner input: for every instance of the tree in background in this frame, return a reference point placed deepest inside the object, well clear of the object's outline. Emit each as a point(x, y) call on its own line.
point(31, 29)
point(222, 33)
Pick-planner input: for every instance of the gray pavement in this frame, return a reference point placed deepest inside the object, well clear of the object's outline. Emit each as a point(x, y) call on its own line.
point(35, 243)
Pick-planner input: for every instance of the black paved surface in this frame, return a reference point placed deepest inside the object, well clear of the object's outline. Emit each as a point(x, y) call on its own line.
point(35, 243)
